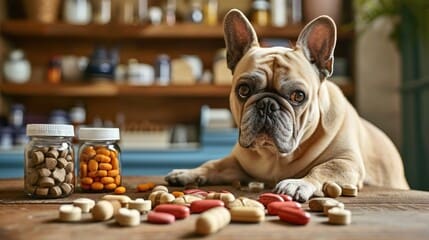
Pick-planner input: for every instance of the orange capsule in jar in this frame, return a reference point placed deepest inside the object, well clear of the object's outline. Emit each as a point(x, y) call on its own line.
point(103, 167)
point(110, 186)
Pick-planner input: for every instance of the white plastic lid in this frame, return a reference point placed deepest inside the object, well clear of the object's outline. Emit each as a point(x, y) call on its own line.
point(54, 130)
point(99, 134)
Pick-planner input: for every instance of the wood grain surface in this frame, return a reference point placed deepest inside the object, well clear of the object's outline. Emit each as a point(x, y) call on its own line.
point(378, 213)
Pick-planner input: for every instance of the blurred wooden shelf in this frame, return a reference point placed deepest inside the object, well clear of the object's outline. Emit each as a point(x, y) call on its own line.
point(25, 28)
point(113, 90)
point(122, 90)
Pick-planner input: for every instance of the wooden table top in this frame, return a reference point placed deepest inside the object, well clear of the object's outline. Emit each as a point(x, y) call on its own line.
point(377, 214)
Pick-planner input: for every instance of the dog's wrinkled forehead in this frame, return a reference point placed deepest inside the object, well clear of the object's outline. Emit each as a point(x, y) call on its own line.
point(276, 64)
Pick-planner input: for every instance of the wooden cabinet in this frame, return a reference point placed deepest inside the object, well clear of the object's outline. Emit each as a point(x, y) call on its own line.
point(168, 105)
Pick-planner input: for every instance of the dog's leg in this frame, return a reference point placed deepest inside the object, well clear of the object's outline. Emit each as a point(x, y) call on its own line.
point(340, 171)
point(213, 172)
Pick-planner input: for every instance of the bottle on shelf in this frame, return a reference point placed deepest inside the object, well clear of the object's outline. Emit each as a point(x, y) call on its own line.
point(210, 12)
point(260, 12)
point(54, 70)
point(101, 11)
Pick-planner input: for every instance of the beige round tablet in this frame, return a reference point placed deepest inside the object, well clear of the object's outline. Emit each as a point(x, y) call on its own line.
point(331, 203)
point(339, 216)
point(85, 204)
point(160, 188)
point(102, 211)
point(128, 217)
point(316, 204)
point(123, 199)
point(349, 190)
point(140, 205)
point(256, 186)
point(70, 213)
point(331, 189)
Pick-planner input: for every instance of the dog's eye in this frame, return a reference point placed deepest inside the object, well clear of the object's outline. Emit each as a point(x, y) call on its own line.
point(297, 97)
point(243, 90)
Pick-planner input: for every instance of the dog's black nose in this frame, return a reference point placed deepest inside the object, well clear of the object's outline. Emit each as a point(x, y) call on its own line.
point(267, 106)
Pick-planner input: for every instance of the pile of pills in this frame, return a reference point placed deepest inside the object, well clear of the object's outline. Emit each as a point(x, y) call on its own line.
point(216, 209)
point(50, 172)
point(99, 169)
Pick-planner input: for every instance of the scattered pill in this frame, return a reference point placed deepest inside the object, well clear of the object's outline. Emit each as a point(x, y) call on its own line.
point(274, 207)
point(196, 191)
point(256, 186)
point(85, 204)
point(316, 204)
point(177, 194)
point(245, 202)
point(267, 198)
point(226, 197)
point(128, 217)
point(186, 200)
point(141, 205)
point(331, 189)
point(339, 216)
point(123, 199)
point(70, 213)
point(247, 214)
point(179, 211)
point(160, 217)
point(160, 188)
point(331, 204)
point(143, 187)
point(160, 197)
point(103, 210)
point(212, 220)
point(294, 216)
point(120, 190)
point(349, 190)
point(204, 205)
point(286, 198)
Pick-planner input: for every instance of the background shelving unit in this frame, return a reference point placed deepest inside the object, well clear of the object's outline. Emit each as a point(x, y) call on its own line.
point(41, 41)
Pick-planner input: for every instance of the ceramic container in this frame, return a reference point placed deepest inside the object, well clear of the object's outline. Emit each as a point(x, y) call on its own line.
point(17, 68)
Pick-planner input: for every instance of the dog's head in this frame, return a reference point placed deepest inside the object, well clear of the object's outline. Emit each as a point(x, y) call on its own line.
point(274, 97)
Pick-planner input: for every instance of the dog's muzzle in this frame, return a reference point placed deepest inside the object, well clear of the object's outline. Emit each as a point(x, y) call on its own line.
point(264, 123)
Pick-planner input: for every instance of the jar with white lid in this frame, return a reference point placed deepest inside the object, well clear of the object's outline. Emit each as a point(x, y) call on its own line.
point(99, 159)
point(49, 161)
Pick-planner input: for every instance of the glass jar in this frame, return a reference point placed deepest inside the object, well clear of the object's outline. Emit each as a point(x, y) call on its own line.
point(49, 161)
point(260, 14)
point(99, 159)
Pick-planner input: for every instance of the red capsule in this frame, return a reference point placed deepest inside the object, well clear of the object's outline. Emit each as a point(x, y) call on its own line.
point(267, 198)
point(178, 211)
point(160, 217)
point(200, 206)
point(274, 207)
point(294, 216)
point(285, 197)
point(195, 191)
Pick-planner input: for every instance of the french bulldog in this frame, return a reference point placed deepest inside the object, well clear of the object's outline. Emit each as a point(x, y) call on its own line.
point(297, 130)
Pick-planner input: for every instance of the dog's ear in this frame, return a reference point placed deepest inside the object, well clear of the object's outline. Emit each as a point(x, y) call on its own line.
point(239, 37)
point(317, 40)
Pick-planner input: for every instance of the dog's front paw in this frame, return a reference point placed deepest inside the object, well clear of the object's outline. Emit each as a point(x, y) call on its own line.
point(299, 189)
point(181, 177)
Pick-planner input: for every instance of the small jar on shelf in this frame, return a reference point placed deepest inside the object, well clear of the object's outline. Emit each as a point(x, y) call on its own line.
point(260, 12)
point(54, 70)
point(49, 161)
point(99, 159)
